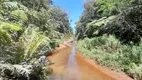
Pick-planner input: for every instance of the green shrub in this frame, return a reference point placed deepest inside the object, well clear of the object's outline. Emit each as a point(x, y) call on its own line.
point(6, 30)
point(33, 43)
point(8, 47)
point(9, 26)
point(18, 16)
point(5, 38)
point(108, 51)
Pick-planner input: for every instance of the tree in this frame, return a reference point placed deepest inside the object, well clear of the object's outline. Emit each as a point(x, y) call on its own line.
point(99, 9)
point(88, 15)
point(35, 4)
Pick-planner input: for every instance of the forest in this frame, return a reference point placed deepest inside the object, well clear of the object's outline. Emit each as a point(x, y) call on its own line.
point(29, 30)
point(110, 32)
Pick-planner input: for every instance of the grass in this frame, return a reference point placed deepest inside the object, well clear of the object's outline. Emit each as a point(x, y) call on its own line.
point(108, 51)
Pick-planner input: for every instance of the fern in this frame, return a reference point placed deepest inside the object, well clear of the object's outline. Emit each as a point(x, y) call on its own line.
point(13, 6)
point(18, 16)
point(9, 26)
point(33, 43)
point(10, 5)
point(5, 36)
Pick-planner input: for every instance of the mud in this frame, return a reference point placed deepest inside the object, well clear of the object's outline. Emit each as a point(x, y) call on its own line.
point(69, 64)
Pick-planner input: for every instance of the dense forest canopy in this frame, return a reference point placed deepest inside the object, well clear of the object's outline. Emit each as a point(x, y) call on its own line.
point(99, 9)
point(29, 30)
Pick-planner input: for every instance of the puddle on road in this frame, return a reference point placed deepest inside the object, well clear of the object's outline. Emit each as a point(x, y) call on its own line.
point(71, 71)
point(71, 65)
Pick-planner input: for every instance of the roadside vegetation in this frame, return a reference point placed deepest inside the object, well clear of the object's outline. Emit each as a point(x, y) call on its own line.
point(110, 33)
point(29, 30)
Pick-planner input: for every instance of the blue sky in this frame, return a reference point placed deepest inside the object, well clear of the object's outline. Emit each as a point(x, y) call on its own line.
point(74, 9)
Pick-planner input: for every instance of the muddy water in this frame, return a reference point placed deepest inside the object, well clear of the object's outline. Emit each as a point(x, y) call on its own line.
point(69, 64)
point(71, 71)
point(68, 68)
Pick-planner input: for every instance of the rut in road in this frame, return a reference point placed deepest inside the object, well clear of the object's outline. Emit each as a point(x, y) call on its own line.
point(71, 71)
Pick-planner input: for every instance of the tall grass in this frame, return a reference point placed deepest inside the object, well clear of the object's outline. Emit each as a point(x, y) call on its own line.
point(108, 51)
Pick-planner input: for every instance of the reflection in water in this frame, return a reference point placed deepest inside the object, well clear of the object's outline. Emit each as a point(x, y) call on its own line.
point(71, 71)
point(71, 61)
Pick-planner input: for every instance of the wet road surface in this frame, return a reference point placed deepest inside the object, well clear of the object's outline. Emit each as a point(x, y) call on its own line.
point(69, 64)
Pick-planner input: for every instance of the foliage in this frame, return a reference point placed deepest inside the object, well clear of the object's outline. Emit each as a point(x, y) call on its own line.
point(26, 72)
point(6, 30)
point(121, 18)
point(4, 37)
point(10, 5)
point(18, 16)
point(97, 9)
point(30, 45)
point(7, 46)
point(48, 18)
point(29, 30)
point(108, 7)
point(127, 26)
point(61, 20)
point(9, 26)
point(111, 7)
point(94, 26)
point(36, 4)
point(127, 58)
point(89, 14)
point(33, 43)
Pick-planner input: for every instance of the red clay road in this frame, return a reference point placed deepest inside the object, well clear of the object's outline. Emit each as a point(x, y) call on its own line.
point(81, 68)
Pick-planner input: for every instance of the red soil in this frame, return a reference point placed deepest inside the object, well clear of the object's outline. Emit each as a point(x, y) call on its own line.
point(85, 69)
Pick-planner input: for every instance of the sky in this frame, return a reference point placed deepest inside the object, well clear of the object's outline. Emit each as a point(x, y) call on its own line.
point(73, 8)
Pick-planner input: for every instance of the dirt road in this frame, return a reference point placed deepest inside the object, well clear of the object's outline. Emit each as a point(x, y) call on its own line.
point(69, 64)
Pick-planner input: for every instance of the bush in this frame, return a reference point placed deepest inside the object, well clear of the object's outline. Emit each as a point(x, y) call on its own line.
point(33, 43)
point(7, 31)
point(108, 51)
point(18, 16)
point(30, 50)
